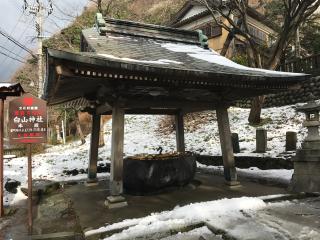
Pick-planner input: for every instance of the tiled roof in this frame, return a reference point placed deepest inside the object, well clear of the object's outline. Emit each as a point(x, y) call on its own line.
point(167, 48)
point(145, 57)
point(10, 89)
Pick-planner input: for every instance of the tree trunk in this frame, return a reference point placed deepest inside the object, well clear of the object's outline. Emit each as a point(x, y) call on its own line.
point(99, 3)
point(255, 112)
point(226, 44)
point(79, 130)
point(257, 103)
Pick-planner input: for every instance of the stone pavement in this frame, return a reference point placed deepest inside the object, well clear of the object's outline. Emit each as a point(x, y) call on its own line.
point(89, 201)
point(79, 208)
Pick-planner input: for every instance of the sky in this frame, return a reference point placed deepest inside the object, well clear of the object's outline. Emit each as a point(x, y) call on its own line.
point(21, 25)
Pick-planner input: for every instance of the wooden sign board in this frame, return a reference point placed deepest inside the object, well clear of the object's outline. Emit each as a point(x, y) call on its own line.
point(27, 120)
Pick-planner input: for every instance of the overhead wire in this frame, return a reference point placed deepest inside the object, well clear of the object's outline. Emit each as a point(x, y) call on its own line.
point(16, 42)
point(12, 52)
point(13, 58)
point(24, 13)
point(6, 41)
point(19, 39)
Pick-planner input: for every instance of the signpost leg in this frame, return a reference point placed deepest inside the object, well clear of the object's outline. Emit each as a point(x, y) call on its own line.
point(1, 155)
point(29, 188)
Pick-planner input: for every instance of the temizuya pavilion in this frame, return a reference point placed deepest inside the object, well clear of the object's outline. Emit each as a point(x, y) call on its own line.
point(132, 68)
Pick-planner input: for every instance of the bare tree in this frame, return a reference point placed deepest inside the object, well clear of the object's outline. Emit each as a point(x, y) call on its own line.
point(103, 6)
point(234, 14)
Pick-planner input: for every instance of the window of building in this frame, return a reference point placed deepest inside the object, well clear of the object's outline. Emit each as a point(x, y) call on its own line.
point(260, 36)
point(211, 30)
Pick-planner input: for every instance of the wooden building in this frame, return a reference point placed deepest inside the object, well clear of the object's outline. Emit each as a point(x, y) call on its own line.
point(133, 68)
point(195, 16)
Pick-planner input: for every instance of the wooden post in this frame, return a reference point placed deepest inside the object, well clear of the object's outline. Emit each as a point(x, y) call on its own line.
point(180, 132)
point(230, 173)
point(116, 184)
point(291, 141)
point(94, 146)
point(235, 142)
point(1, 155)
point(101, 134)
point(63, 132)
point(29, 188)
point(261, 140)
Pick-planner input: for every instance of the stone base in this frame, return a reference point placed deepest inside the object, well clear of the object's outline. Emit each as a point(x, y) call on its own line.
point(233, 183)
point(91, 182)
point(115, 202)
point(307, 183)
point(306, 177)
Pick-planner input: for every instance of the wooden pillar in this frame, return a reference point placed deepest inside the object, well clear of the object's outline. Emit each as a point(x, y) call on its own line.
point(230, 173)
point(116, 185)
point(180, 132)
point(1, 156)
point(94, 145)
point(101, 134)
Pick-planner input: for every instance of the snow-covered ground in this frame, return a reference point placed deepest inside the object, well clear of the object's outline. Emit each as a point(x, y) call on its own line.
point(237, 218)
point(181, 217)
point(141, 137)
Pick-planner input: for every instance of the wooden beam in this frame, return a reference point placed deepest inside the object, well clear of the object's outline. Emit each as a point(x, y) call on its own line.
point(165, 103)
point(94, 145)
point(62, 70)
point(180, 132)
point(116, 184)
point(230, 173)
point(138, 111)
point(105, 108)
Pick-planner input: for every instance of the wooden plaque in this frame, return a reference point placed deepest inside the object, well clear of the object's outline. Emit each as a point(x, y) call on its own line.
point(27, 120)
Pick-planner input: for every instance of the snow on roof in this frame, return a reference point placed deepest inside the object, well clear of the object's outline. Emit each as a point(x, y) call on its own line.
point(174, 49)
point(6, 85)
point(212, 56)
point(10, 89)
point(159, 61)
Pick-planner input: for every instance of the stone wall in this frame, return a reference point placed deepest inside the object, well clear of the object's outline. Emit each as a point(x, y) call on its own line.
point(289, 97)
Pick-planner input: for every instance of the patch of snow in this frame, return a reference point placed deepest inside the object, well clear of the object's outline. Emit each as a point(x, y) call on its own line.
point(268, 197)
point(214, 57)
point(180, 217)
point(159, 61)
point(18, 197)
point(191, 235)
point(308, 234)
point(282, 176)
point(5, 84)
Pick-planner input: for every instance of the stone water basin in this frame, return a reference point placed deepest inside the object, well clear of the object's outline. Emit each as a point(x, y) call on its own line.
point(151, 173)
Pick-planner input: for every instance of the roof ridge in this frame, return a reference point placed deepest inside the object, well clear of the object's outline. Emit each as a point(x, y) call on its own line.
point(146, 25)
point(145, 30)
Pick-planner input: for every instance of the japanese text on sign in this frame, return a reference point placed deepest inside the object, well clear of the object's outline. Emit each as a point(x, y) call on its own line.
point(27, 120)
